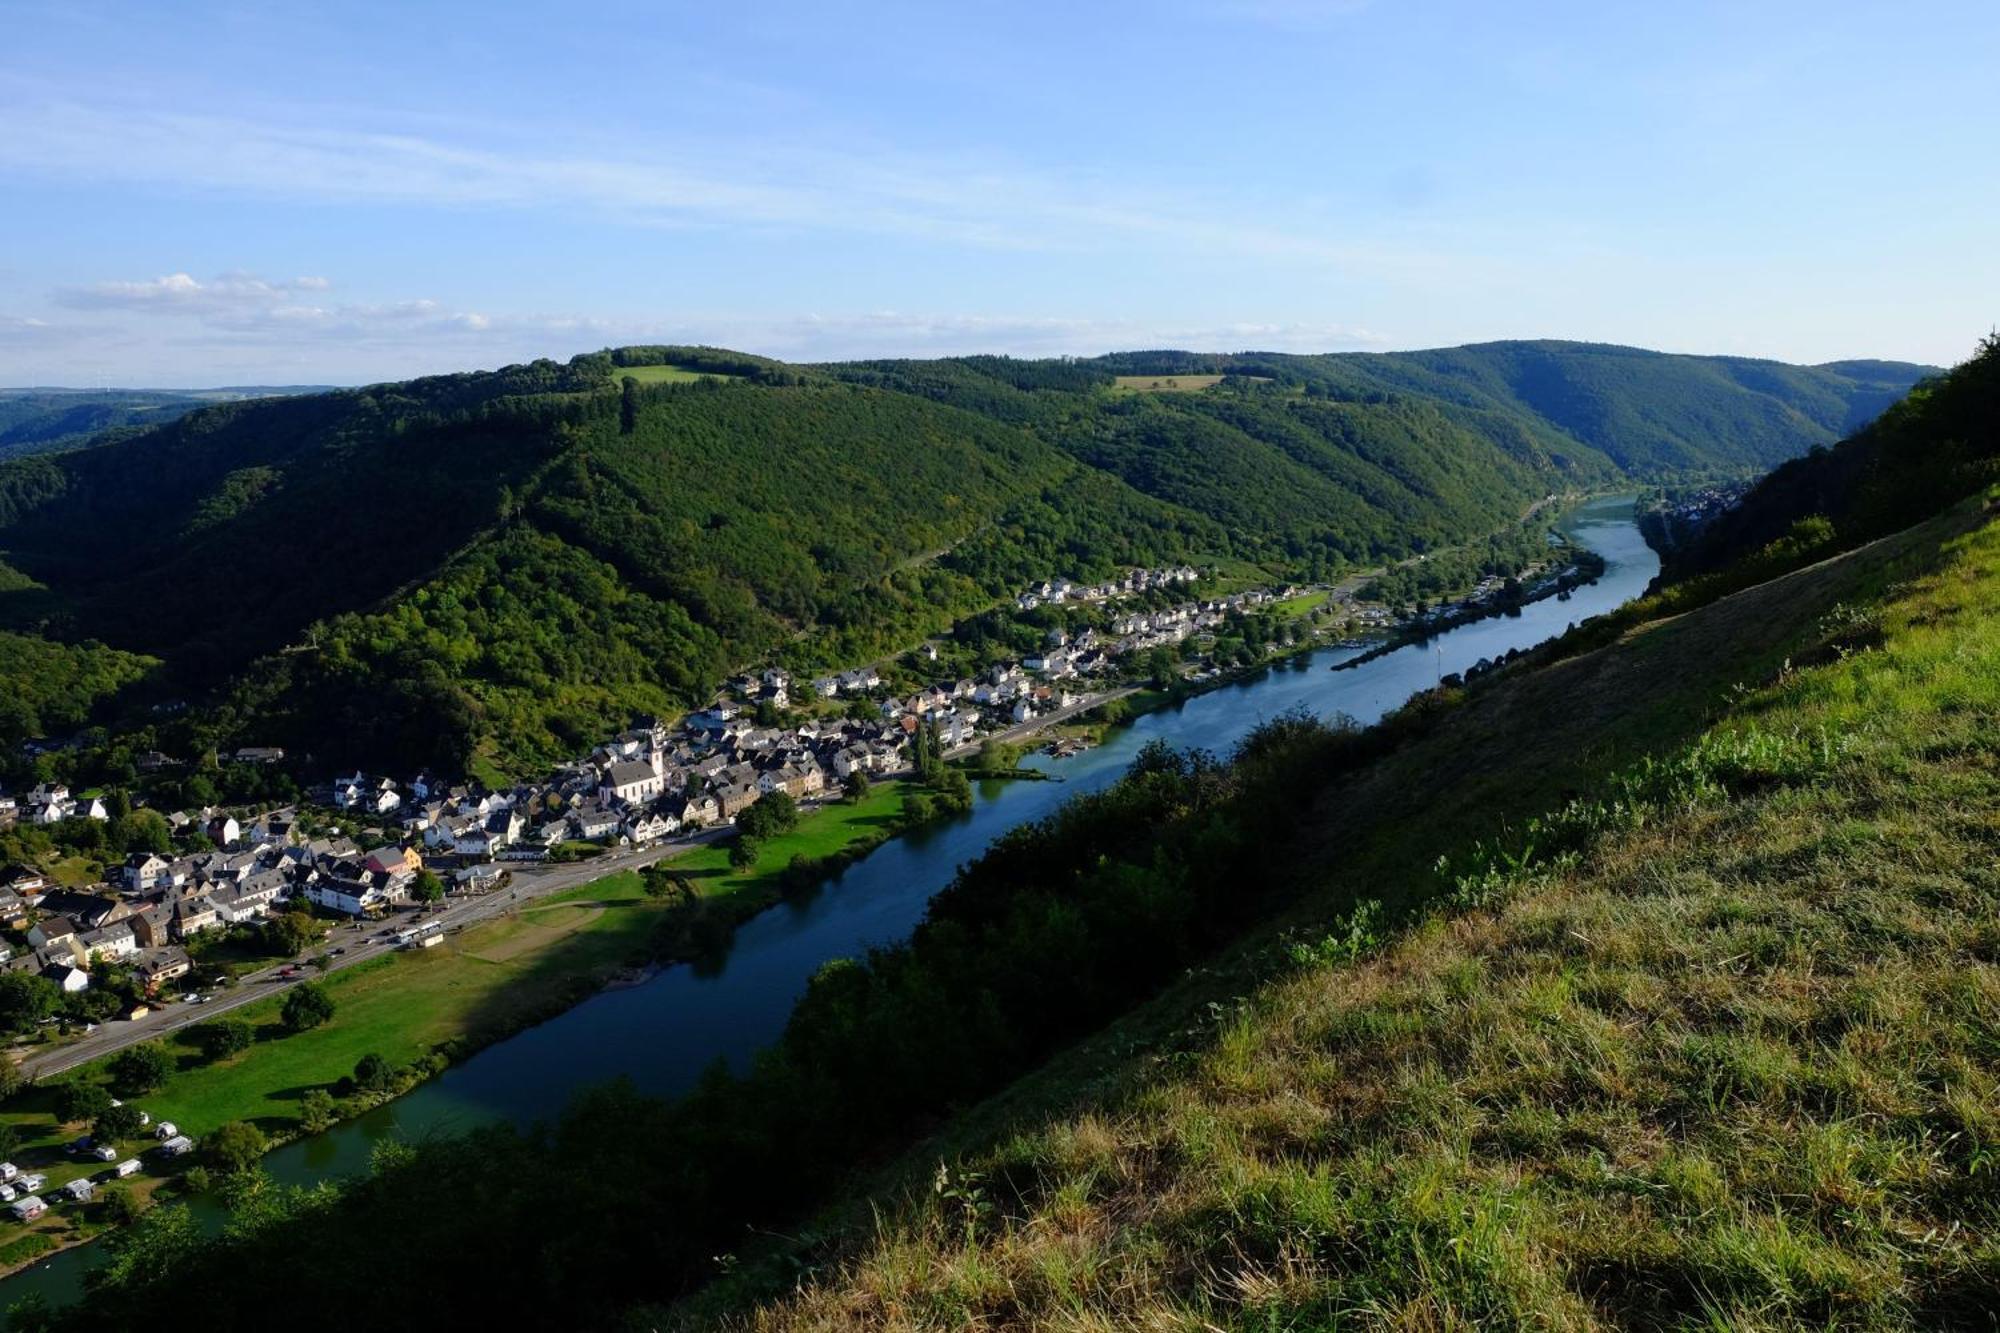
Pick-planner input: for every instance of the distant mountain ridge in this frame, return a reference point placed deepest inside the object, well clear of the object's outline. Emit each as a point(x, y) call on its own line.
point(42, 419)
point(499, 567)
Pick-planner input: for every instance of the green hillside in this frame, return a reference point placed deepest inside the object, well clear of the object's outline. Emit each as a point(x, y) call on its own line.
point(502, 567)
point(1941, 442)
point(1652, 986)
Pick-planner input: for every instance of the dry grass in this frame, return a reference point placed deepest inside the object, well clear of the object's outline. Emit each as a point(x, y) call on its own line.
point(1730, 1061)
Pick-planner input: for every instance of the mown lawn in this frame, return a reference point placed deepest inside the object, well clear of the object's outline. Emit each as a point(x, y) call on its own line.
point(1297, 608)
point(1711, 1042)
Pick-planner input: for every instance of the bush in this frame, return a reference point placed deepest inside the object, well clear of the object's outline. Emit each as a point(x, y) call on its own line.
point(140, 1069)
point(117, 1207)
point(235, 1147)
point(316, 1111)
point(79, 1099)
point(775, 814)
point(290, 932)
point(117, 1122)
point(224, 1037)
point(373, 1074)
point(306, 1007)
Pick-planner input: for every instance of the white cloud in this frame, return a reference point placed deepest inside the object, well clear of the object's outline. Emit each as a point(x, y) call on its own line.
point(179, 292)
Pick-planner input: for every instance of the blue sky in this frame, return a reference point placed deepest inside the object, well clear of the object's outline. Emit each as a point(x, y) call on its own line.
point(204, 193)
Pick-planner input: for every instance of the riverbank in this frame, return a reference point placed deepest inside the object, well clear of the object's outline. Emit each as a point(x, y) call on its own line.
point(421, 1011)
point(1567, 580)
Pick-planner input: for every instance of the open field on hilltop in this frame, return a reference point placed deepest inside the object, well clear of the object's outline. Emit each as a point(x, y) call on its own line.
point(1708, 1035)
point(665, 374)
point(1166, 383)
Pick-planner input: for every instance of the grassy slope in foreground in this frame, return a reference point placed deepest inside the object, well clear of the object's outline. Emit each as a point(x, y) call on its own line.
point(1722, 1052)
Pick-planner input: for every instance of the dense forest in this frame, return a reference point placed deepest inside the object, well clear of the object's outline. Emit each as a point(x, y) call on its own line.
point(489, 570)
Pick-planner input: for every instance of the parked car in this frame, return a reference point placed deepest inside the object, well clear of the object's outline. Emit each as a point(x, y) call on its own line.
point(105, 1152)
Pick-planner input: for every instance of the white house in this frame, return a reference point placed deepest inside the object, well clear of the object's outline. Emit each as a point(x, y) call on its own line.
point(68, 979)
point(595, 822)
point(146, 870)
point(348, 897)
point(643, 828)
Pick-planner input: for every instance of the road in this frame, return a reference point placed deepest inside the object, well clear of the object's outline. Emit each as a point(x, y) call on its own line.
point(363, 941)
point(1021, 730)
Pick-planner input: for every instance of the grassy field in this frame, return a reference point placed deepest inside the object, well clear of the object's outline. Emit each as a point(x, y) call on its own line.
point(1174, 383)
point(1298, 608)
point(1166, 383)
point(664, 374)
point(1706, 1036)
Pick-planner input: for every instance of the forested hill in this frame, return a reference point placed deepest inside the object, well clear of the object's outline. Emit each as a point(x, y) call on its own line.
point(1941, 442)
point(504, 566)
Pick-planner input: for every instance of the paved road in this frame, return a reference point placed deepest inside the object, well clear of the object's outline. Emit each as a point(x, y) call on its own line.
point(365, 941)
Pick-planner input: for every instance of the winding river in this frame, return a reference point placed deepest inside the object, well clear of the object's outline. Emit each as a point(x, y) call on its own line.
point(664, 1032)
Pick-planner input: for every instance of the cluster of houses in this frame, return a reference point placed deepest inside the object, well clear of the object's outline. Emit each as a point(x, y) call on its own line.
point(50, 803)
point(145, 921)
point(656, 782)
point(1056, 591)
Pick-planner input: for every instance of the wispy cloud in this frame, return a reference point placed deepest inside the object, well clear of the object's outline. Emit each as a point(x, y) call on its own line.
point(975, 200)
point(248, 304)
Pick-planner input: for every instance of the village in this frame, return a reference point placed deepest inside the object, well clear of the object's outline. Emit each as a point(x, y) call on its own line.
point(364, 845)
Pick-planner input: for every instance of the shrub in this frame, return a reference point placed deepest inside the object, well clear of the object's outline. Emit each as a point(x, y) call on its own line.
point(306, 1007)
point(140, 1069)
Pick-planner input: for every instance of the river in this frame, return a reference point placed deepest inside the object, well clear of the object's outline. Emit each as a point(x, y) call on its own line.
point(663, 1032)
